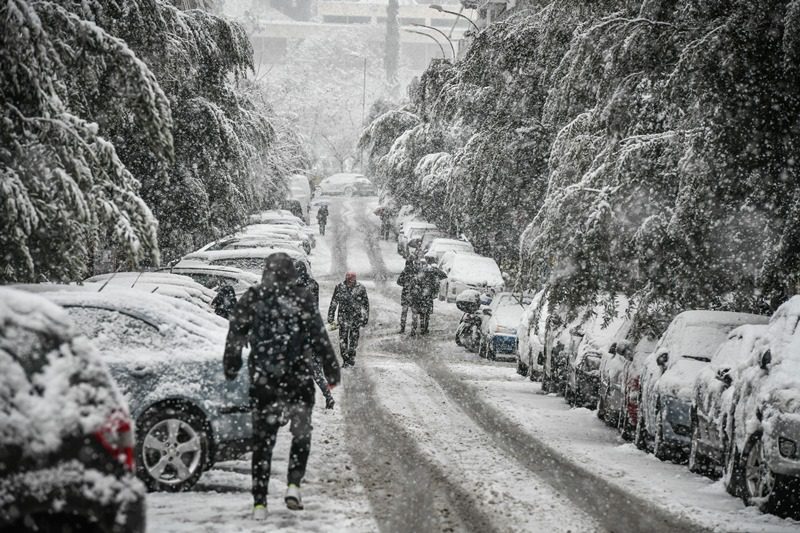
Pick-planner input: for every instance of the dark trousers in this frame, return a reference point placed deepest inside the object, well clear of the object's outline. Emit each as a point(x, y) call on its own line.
point(322, 224)
point(404, 316)
point(266, 422)
point(348, 342)
point(322, 383)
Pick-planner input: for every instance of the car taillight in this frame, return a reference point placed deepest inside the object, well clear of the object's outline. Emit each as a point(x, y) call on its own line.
point(116, 436)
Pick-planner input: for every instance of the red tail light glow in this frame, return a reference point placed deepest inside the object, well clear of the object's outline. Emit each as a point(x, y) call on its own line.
point(116, 436)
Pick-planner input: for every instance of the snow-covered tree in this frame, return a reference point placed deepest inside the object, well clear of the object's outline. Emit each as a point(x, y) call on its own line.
point(64, 189)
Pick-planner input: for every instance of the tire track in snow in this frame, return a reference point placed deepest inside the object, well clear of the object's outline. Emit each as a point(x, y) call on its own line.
point(615, 508)
point(406, 491)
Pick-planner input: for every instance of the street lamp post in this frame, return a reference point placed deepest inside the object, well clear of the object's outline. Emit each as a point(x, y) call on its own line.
point(440, 9)
point(431, 37)
point(443, 34)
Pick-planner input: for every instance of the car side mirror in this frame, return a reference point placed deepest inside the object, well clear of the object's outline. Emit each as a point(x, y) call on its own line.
point(724, 375)
point(613, 348)
point(662, 359)
point(766, 360)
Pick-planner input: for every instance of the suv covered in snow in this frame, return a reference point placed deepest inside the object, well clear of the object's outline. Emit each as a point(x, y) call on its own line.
point(166, 356)
point(66, 452)
point(762, 462)
point(668, 377)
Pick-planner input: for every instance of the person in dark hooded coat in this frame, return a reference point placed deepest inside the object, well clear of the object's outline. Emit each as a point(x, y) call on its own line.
point(405, 280)
point(350, 307)
point(424, 288)
point(285, 331)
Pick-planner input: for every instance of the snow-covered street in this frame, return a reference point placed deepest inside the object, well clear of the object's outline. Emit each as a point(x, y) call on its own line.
point(428, 437)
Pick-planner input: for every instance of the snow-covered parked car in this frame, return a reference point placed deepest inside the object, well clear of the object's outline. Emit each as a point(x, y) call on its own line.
point(347, 184)
point(66, 452)
point(562, 336)
point(266, 240)
point(440, 245)
point(214, 276)
point(711, 399)
point(530, 337)
point(288, 231)
point(667, 380)
point(470, 271)
point(762, 463)
point(248, 259)
point(163, 283)
point(618, 396)
point(166, 356)
point(600, 332)
point(499, 325)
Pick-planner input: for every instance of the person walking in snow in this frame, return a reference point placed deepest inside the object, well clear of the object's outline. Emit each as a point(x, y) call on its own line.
point(405, 280)
point(424, 288)
point(305, 280)
point(351, 301)
point(285, 331)
point(322, 218)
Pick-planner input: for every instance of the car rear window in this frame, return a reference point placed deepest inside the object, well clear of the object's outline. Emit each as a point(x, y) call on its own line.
point(29, 348)
point(111, 330)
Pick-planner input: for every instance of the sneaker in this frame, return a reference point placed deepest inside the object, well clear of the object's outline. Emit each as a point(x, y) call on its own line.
point(259, 512)
point(292, 499)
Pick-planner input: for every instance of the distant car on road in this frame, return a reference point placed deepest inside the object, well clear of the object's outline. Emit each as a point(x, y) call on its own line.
point(499, 325)
point(66, 452)
point(469, 271)
point(667, 380)
point(166, 356)
point(347, 184)
point(415, 231)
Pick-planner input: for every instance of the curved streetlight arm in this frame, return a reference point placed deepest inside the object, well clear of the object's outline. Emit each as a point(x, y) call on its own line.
point(440, 9)
point(443, 34)
point(431, 37)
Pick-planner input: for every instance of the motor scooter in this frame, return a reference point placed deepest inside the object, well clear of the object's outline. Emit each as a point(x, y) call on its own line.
point(468, 331)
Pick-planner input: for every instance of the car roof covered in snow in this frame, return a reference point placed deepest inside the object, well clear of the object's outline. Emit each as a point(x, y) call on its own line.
point(166, 283)
point(476, 269)
point(190, 265)
point(195, 329)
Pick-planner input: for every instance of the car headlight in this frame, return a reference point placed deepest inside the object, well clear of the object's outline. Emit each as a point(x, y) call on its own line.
point(787, 447)
point(591, 363)
point(504, 329)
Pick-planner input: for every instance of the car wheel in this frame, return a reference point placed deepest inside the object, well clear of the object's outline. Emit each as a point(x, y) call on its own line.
point(601, 407)
point(661, 449)
point(698, 463)
point(458, 339)
point(172, 449)
point(349, 191)
point(732, 471)
point(761, 487)
point(640, 435)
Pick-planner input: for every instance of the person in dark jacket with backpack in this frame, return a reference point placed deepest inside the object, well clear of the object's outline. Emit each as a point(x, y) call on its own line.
point(405, 280)
point(424, 288)
point(285, 331)
point(351, 301)
point(305, 280)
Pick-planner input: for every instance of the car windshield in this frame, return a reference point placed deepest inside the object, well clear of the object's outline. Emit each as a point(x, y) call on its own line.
point(701, 340)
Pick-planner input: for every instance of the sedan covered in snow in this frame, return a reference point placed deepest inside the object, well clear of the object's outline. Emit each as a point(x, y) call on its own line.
point(499, 326)
point(469, 271)
point(440, 245)
point(347, 184)
point(166, 357)
point(66, 452)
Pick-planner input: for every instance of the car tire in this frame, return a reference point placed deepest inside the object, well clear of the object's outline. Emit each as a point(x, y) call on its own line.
point(698, 463)
point(167, 438)
point(349, 191)
point(640, 435)
point(661, 449)
point(601, 407)
point(761, 487)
